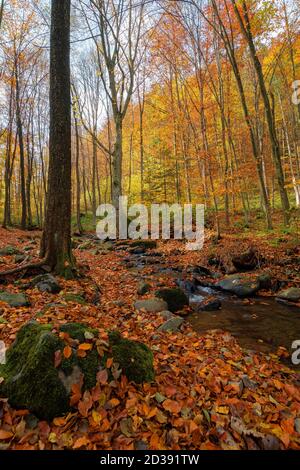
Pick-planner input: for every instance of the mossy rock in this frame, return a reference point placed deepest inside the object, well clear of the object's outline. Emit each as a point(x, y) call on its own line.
point(14, 299)
point(135, 358)
point(143, 288)
point(31, 380)
point(175, 298)
point(46, 283)
point(76, 298)
point(146, 244)
point(9, 251)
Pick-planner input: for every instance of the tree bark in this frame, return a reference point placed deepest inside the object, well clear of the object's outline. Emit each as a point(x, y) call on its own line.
point(56, 240)
point(21, 147)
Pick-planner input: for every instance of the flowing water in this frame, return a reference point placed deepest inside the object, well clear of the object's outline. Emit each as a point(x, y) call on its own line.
point(260, 324)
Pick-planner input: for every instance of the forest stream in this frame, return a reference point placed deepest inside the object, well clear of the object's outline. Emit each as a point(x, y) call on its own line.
point(260, 323)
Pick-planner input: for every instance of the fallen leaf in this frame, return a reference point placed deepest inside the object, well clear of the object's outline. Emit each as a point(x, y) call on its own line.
point(67, 352)
point(5, 435)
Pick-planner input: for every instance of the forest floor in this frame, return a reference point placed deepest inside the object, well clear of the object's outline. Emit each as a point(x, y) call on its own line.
point(209, 392)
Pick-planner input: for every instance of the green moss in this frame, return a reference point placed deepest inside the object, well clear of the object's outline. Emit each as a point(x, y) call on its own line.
point(32, 381)
point(78, 330)
point(175, 298)
point(134, 358)
point(76, 298)
point(9, 251)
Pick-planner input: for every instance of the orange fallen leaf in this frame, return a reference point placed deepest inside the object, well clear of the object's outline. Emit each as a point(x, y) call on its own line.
point(114, 402)
point(81, 442)
point(85, 347)
point(76, 394)
point(81, 353)
point(59, 422)
point(86, 404)
point(109, 362)
point(67, 352)
point(5, 435)
point(172, 406)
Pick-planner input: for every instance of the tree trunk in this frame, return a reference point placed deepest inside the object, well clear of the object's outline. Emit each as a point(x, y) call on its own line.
point(78, 188)
point(117, 163)
point(247, 32)
point(56, 240)
point(21, 147)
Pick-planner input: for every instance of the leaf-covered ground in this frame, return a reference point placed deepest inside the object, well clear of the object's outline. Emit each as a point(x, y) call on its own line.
point(208, 393)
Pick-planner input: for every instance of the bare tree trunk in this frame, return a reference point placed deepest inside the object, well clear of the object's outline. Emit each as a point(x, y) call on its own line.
point(247, 32)
point(78, 192)
point(117, 163)
point(56, 240)
point(21, 147)
point(232, 58)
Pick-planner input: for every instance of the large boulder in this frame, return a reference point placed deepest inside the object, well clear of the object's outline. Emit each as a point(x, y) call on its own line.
point(290, 295)
point(38, 376)
point(46, 283)
point(242, 286)
point(32, 381)
point(14, 299)
point(153, 305)
point(175, 298)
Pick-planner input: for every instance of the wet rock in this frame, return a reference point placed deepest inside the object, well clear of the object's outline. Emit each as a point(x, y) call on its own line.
point(153, 305)
point(202, 271)
point(210, 304)
point(171, 325)
point(187, 286)
point(291, 295)
point(242, 286)
point(143, 288)
point(246, 261)
point(265, 281)
point(14, 300)
point(176, 298)
point(46, 283)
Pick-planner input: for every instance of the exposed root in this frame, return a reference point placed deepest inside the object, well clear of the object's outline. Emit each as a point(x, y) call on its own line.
point(24, 267)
